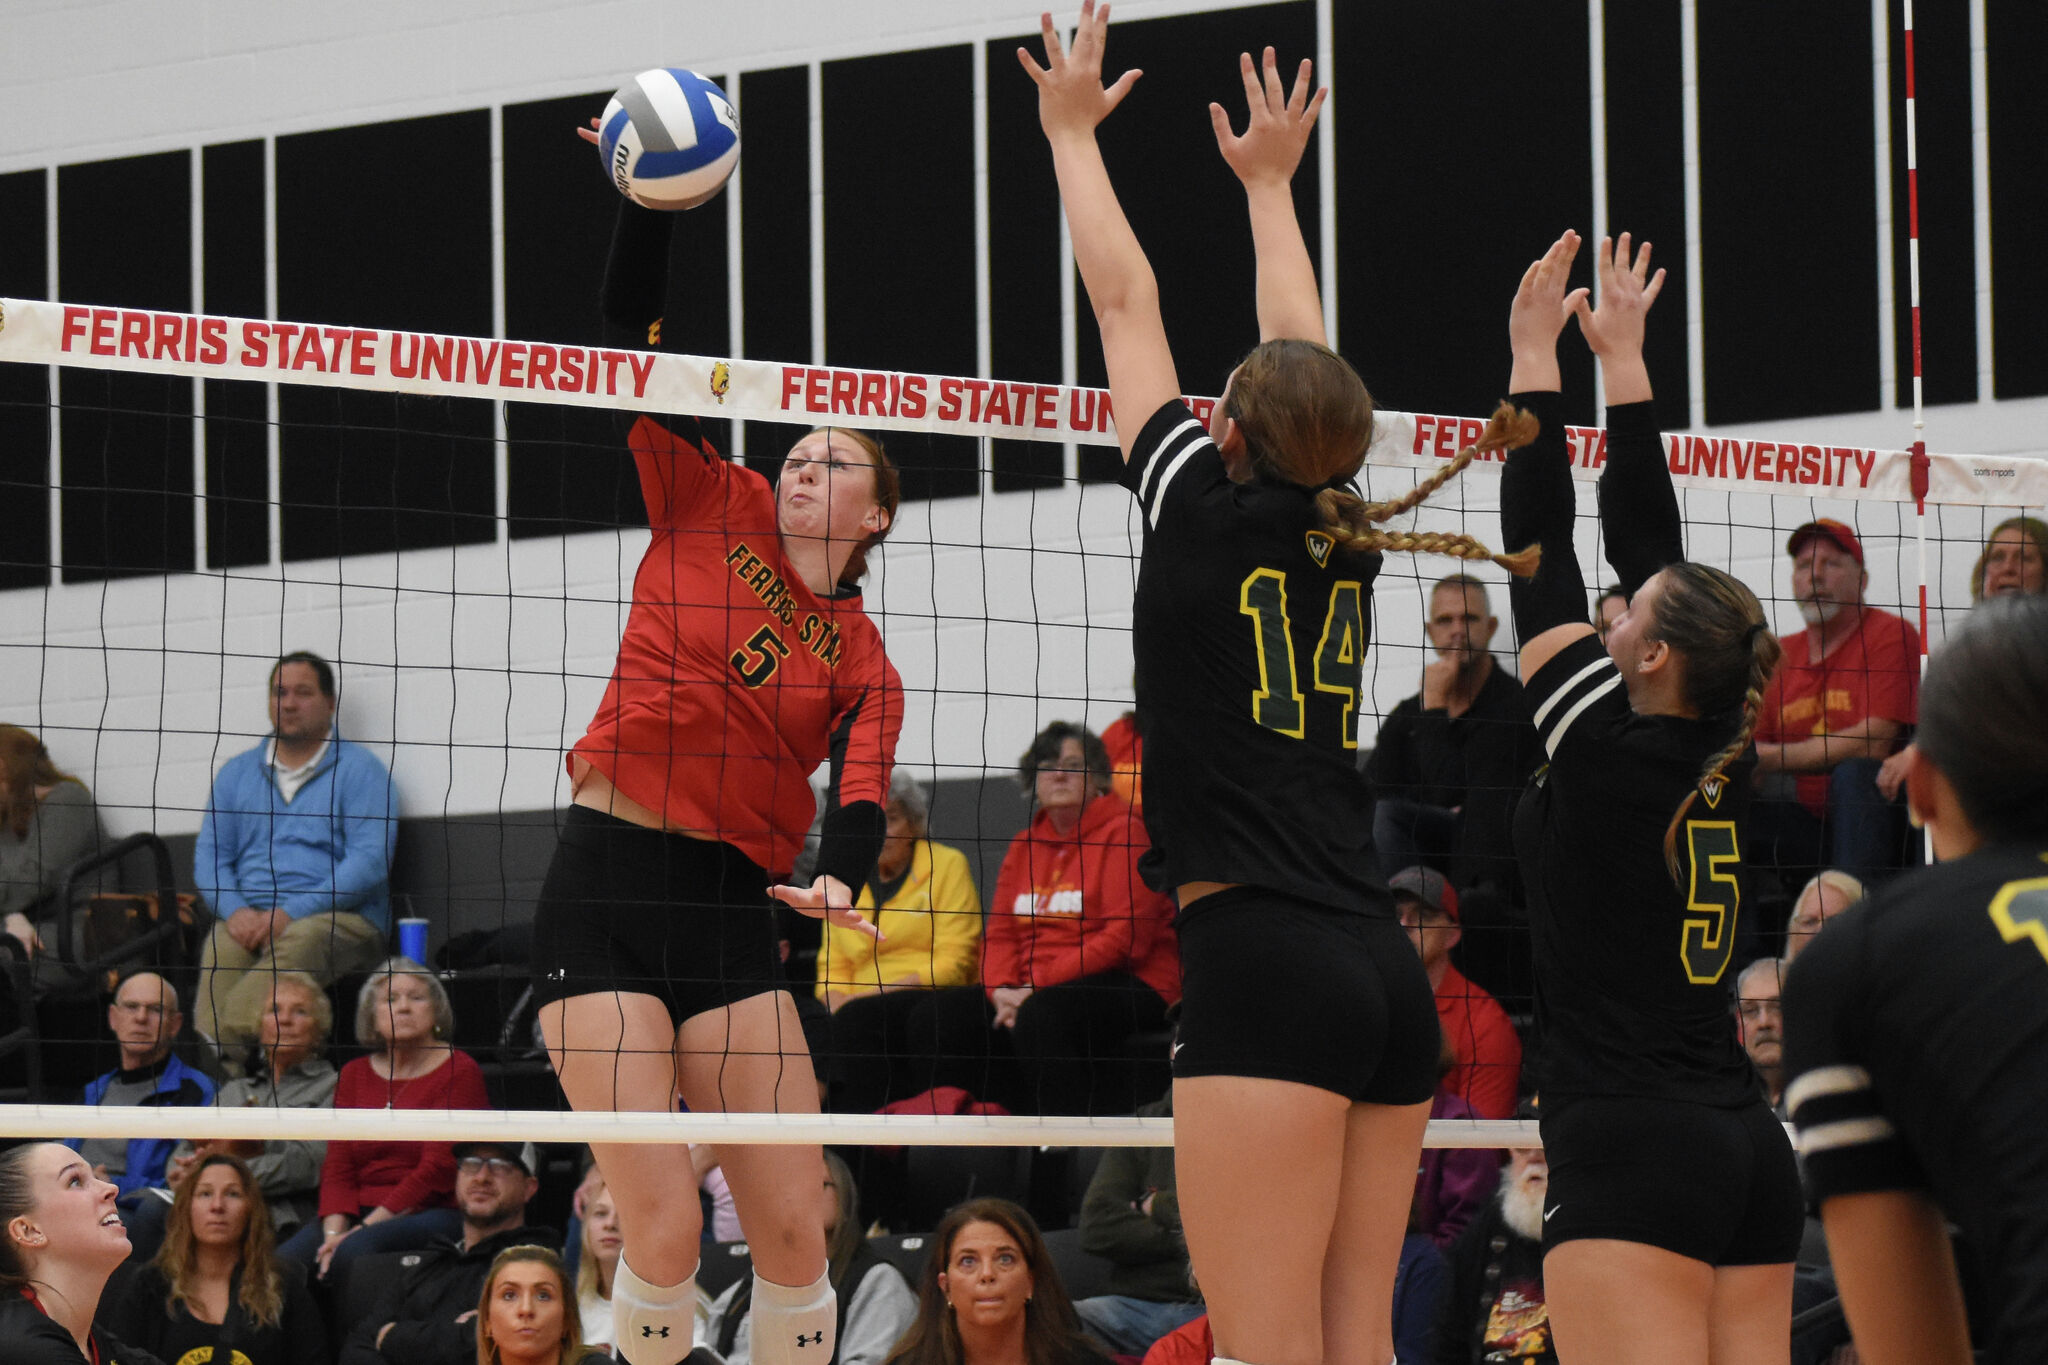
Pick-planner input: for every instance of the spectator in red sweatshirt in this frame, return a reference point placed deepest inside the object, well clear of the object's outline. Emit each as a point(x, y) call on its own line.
point(1078, 954)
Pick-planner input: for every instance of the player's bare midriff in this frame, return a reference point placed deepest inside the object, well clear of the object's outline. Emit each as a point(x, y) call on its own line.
point(593, 789)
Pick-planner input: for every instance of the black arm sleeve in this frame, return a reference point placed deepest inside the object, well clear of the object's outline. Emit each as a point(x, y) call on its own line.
point(1638, 507)
point(636, 275)
point(1537, 507)
point(849, 841)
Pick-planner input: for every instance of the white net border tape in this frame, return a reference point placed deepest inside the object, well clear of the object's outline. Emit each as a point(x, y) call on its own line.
point(532, 1125)
point(203, 346)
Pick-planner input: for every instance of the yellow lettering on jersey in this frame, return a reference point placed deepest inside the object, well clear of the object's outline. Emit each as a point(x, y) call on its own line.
point(1706, 939)
point(1320, 543)
point(2020, 910)
point(762, 580)
point(1340, 654)
point(1278, 702)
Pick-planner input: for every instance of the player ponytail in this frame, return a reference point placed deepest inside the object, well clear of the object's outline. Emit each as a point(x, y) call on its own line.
point(1983, 720)
point(1716, 623)
point(1307, 419)
point(888, 494)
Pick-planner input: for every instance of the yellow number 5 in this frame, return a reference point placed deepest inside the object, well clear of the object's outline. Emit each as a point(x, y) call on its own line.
point(1707, 940)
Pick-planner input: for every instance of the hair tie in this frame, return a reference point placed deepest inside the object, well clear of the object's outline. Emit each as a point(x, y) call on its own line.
point(1749, 636)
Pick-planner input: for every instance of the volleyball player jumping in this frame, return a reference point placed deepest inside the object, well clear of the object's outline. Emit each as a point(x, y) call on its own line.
point(1308, 1036)
point(1674, 1205)
point(746, 652)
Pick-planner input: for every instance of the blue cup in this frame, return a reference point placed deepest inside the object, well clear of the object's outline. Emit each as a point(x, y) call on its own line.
point(412, 939)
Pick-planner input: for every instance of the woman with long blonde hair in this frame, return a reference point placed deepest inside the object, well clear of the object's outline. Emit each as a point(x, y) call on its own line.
point(217, 1281)
point(527, 1314)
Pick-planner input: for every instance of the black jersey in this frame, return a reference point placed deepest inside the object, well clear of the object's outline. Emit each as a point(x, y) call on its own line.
point(1250, 634)
point(1631, 971)
point(1916, 1058)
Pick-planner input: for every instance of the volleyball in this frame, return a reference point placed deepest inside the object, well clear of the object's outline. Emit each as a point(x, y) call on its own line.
point(670, 139)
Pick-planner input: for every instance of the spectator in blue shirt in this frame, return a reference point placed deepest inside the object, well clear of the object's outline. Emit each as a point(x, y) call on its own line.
point(294, 858)
point(144, 1018)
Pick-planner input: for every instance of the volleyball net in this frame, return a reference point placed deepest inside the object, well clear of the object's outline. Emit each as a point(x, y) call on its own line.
point(471, 598)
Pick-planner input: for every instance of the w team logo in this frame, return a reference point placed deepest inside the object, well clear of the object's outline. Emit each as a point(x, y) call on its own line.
point(1712, 789)
point(721, 380)
point(1319, 546)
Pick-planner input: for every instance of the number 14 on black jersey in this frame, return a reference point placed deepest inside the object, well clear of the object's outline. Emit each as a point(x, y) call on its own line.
point(1279, 703)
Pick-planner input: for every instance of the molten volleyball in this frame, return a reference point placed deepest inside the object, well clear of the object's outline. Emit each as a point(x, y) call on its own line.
point(670, 139)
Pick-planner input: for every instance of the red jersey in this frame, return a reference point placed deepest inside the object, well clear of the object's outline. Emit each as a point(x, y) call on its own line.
point(1873, 673)
point(1071, 905)
point(1488, 1072)
point(733, 676)
point(1126, 759)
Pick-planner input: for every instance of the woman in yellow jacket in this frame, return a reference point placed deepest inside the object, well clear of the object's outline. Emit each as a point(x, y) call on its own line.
point(922, 897)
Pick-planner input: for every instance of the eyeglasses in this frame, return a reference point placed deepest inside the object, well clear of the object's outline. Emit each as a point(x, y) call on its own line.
point(472, 1165)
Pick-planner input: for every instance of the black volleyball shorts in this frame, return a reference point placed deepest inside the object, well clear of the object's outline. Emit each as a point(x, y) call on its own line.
point(1284, 989)
point(1716, 1185)
point(630, 909)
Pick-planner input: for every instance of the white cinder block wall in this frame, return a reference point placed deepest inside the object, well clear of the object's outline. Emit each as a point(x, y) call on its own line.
point(471, 668)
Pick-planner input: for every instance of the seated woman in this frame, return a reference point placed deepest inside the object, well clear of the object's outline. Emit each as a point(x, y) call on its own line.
point(389, 1196)
point(923, 899)
point(875, 1303)
point(990, 1295)
point(597, 1264)
point(217, 1283)
point(1079, 954)
point(291, 1075)
point(526, 1314)
point(47, 823)
point(60, 1239)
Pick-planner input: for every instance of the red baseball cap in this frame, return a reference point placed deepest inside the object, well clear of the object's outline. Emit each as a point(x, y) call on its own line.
point(1429, 886)
point(1837, 533)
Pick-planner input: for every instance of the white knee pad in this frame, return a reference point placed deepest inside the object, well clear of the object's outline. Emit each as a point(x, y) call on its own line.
point(794, 1325)
point(653, 1323)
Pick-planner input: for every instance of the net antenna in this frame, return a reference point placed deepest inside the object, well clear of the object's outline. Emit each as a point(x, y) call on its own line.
point(1920, 462)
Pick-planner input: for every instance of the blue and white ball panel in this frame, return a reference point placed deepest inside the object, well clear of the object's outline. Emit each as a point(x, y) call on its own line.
point(670, 139)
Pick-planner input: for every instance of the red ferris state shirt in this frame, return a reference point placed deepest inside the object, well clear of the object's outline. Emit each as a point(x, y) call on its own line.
point(733, 677)
point(1875, 672)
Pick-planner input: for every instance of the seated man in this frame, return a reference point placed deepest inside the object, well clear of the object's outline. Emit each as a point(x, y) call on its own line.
point(427, 1316)
point(1760, 1020)
point(1838, 705)
point(1450, 762)
point(294, 857)
point(1493, 1308)
point(1487, 1072)
point(1829, 893)
point(1131, 1218)
point(145, 1020)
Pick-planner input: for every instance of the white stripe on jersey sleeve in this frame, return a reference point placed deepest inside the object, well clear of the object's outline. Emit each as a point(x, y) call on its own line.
point(1823, 1081)
point(1165, 478)
point(1556, 735)
point(1565, 690)
point(1155, 460)
point(1829, 1137)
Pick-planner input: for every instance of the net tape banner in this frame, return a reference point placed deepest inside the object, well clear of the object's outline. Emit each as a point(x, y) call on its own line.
point(429, 364)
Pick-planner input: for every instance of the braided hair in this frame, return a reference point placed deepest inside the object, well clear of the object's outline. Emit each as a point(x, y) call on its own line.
point(1715, 621)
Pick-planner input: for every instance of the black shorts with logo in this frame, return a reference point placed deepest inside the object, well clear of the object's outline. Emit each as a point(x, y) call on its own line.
point(630, 909)
point(1284, 989)
point(1716, 1185)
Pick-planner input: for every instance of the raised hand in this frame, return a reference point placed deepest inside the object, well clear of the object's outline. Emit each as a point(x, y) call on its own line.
point(1273, 142)
point(1071, 97)
point(1542, 304)
point(589, 134)
point(1614, 326)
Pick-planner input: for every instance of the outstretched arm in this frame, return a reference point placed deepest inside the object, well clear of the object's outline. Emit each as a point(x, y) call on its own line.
point(1264, 160)
point(1536, 501)
point(1638, 509)
point(1121, 286)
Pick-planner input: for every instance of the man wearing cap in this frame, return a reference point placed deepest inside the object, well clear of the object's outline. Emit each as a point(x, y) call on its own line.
point(426, 1314)
point(1488, 1070)
point(1843, 697)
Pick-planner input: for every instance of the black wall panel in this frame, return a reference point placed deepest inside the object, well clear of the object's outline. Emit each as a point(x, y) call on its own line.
point(1023, 257)
point(1464, 149)
point(1646, 177)
point(127, 438)
point(1788, 216)
point(231, 215)
point(24, 390)
point(899, 237)
point(386, 225)
point(1948, 219)
point(1183, 202)
point(569, 468)
point(2016, 34)
point(775, 236)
